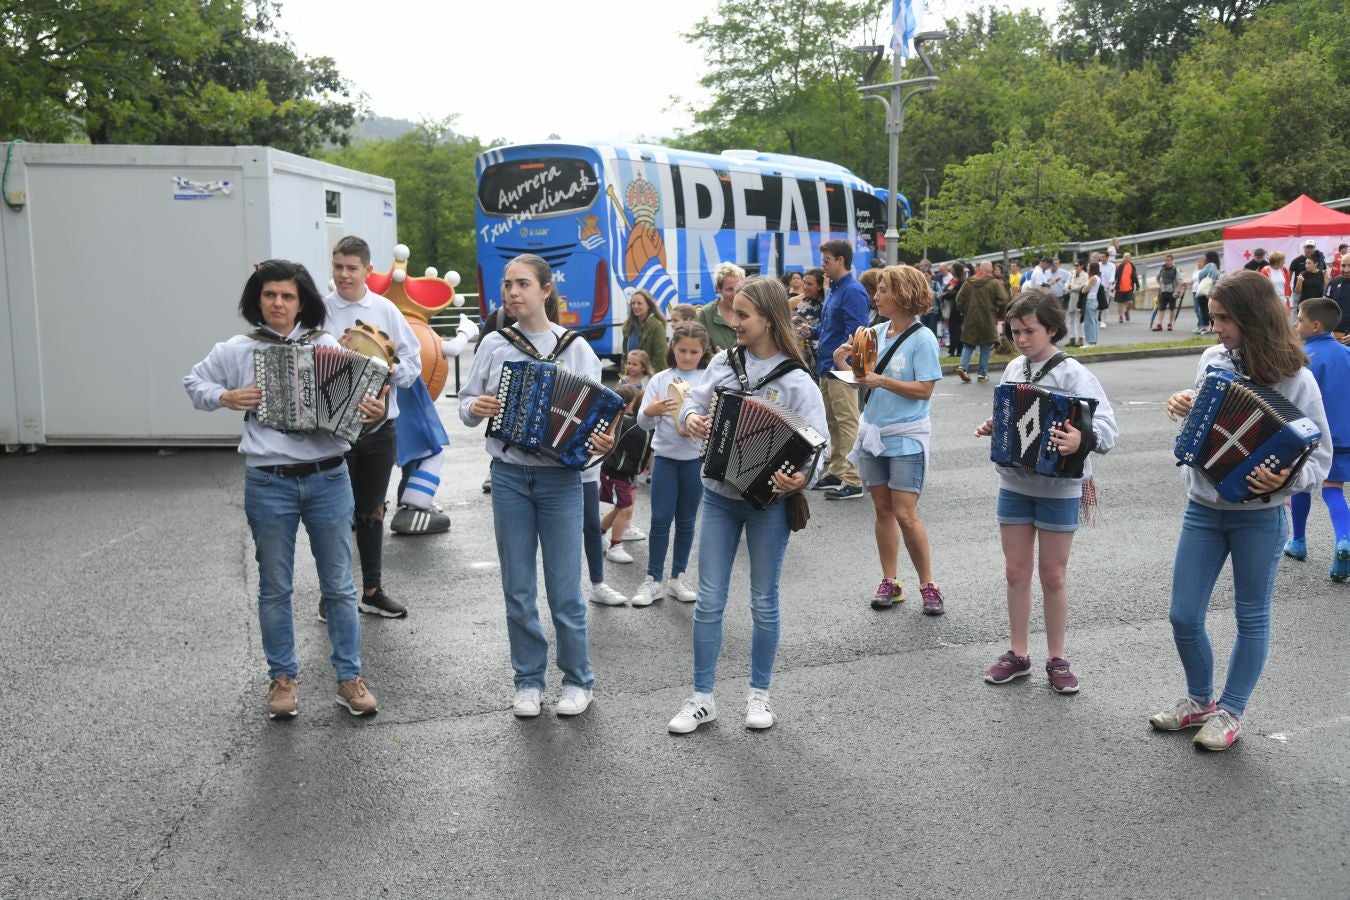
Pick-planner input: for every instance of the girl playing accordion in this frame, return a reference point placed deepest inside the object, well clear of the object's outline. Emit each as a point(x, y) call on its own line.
point(1038, 509)
point(1256, 341)
point(537, 503)
point(761, 321)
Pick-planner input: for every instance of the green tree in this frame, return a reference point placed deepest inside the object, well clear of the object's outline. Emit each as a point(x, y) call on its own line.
point(436, 185)
point(1129, 34)
point(173, 71)
point(784, 79)
point(1021, 194)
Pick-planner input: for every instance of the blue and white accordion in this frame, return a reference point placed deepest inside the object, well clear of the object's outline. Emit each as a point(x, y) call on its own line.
point(1024, 413)
point(550, 410)
point(1235, 426)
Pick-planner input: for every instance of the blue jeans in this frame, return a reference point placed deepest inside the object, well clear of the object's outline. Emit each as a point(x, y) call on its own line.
point(593, 538)
point(766, 538)
point(1255, 539)
point(1091, 330)
point(967, 350)
point(534, 509)
point(275, 506)
point(677, 489)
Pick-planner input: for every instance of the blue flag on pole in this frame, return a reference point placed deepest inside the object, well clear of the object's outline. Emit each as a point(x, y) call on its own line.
point(905, 16)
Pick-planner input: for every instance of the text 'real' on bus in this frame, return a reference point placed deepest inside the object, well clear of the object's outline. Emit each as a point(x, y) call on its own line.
point(611, 219)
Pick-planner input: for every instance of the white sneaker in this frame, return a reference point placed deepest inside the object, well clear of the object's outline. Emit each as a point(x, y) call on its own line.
point(616, 553)
point(648, 593)
point(676, 589)
point(634, 534)
point(605, 595)
point(697, 710)
point(527, 703)
point(573, 700)
point(758, 713)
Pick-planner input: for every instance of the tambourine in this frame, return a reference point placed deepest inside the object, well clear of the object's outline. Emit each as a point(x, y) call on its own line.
point(369, 341)
point(864, 357)
point(678, 391)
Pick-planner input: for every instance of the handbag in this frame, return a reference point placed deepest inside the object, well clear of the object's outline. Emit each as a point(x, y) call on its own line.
point(1204, 286)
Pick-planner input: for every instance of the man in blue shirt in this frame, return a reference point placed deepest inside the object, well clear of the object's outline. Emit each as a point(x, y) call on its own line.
point(846, 310)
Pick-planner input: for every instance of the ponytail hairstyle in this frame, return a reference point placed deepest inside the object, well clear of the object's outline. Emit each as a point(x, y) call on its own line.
point(1040, 304)
point(771, 301)
point(693, 330)
point(1270, 348)
point(544, 275)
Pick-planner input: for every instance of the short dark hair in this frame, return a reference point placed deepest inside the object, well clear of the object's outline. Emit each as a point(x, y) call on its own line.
point(1323, 310)
point(351, 245)
point(312, 310)
point(842, 249)
point(1041, 304)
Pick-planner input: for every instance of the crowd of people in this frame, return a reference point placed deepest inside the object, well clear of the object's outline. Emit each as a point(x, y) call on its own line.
point(792, 341)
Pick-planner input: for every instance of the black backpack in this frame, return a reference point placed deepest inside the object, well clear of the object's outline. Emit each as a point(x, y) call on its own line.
point(631, 447)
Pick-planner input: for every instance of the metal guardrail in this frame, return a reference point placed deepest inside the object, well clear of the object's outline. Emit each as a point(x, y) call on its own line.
point(1147, 237)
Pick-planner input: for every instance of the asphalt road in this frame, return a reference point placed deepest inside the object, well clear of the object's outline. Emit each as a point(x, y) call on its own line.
point(136, 760)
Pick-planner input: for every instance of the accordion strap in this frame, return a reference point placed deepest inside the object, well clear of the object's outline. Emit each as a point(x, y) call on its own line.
point(1053, 361)
point(270, 337)
point(885, 360)
point(736, 359)
point(524, 345)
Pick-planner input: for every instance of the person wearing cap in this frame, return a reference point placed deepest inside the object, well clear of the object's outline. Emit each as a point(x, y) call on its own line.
point(1258, 260)
point(1300, 263)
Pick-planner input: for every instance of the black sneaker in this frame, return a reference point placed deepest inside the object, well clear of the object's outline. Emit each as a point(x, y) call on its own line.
point(846, 492)
point(829, 481)
point(410, 520)
point(379, 604)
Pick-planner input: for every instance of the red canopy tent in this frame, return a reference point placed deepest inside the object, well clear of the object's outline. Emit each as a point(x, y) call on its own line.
point(1286, 229)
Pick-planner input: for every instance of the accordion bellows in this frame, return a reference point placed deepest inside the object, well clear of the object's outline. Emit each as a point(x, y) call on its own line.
point(750, 438)
point(550, 410)
point(1023, 416)
point(1235, 426)
point(308, 388)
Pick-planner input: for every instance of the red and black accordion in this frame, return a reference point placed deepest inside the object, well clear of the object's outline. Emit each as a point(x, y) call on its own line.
point(750, 438)
point(550, 410)
point(310, 388)
point(1023, 416)
point(1236, 425)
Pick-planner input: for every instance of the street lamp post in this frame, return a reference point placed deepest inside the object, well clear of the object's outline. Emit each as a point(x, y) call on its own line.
point(924, 172)
point(900, 92)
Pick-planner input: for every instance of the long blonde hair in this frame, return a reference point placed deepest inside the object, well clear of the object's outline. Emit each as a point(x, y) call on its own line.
point(771, 301)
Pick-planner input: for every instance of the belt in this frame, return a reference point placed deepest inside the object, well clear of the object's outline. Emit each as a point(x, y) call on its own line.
point(296, 470)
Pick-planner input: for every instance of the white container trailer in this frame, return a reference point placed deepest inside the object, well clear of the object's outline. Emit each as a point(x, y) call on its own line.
point(123, 266)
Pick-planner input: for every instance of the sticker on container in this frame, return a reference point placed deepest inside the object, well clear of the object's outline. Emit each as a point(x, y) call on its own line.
point(186, 189)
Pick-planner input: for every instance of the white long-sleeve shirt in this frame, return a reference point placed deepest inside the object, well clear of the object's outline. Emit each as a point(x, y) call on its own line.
point(384, 315)
point(228, 366)
point(796, 390)
point(1069, 377)
point(1301, 390)
point(486, 375)
point(666, 438)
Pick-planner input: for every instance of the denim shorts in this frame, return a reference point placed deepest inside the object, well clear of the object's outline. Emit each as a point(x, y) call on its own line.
point(1046, 513)
point(899, 473)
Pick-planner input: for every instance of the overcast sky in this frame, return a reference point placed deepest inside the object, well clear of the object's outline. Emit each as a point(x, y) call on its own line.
point(523, 69)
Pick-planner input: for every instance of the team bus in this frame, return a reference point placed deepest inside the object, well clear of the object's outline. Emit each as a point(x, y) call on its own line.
point(611, 219)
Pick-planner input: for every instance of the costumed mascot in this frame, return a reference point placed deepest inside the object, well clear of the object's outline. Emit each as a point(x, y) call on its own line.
point(421, 435)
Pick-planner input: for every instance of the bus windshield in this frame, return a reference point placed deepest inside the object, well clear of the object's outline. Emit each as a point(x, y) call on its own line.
point(537, 187)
